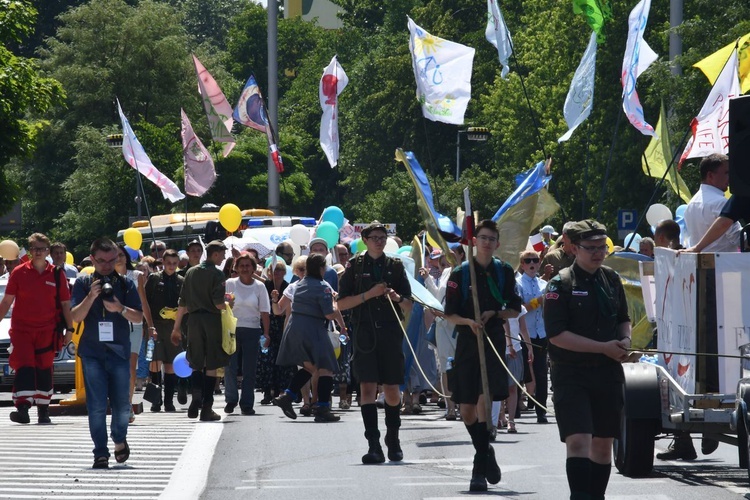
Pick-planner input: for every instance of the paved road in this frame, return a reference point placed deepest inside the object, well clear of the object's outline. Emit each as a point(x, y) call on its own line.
point(269, 456)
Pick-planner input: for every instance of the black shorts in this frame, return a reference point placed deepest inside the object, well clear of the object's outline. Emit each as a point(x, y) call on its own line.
point(378, 354)
point(468, 375)
point(588, 400)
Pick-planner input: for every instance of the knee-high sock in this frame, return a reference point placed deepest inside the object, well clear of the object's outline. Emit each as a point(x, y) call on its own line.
point(392, 419)
point(599, 479)
point(170, 383)
point(325, 386)
point(480, 438)
point(578, 470)
point(370, 420)
point(208, 390)
point(155, 377)
point(196, 383)
point(298, 380)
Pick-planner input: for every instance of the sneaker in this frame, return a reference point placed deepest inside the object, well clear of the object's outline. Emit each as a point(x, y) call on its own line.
point(374, 455)
point(43, 414)
point(344, 404)
point(209, 415)
point(284, 401)
point(325, 414)
point(305, 410)
point(395, 453)
point(247, 411)
point(21, 415)
point(229, 408)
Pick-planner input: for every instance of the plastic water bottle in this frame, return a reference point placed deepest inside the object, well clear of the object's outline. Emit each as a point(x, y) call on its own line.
point(150, 350)
point(343, 339)
point(449, 363)
point(263, 345)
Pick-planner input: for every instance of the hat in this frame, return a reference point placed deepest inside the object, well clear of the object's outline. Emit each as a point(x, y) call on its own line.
point(372, 226)
point(215, 246)
point(567, 226)
point(194, 242)
point(436, 254)
point(317, 240)
point(548, 230)
point(339, 269)
point(587, 230)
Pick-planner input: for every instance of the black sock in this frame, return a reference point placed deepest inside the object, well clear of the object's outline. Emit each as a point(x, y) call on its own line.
point(208, 390)
point(298, 380)
point(599, 479)
point(392, 418)
point(196, 385)
point(370, 420)
point(325, 386)
point(155, 377)
point(170, 383)
point(578, 470)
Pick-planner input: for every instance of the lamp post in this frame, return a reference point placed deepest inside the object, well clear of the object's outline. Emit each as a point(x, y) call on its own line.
point(115, 141)
point(473, 134)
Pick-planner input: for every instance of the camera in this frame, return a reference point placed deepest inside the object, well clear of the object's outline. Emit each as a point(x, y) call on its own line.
point(108, 291)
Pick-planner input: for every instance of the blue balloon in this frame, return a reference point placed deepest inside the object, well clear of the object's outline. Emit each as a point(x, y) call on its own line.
point(680, 211)
point(335, 215)
point(181, 366)
point(404, 250)
point(329, 232)
point(133, 253)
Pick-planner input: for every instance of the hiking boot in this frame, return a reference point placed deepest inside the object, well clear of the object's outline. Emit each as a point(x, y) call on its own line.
point(493, 473)
point(209, 415)
point(477, 483)
point(395, 454)
point(21, 415)
point(680, 449)
point(284, 401)
point(374, 455)
point(193, 410)
point(43, 414)
point(324, 414)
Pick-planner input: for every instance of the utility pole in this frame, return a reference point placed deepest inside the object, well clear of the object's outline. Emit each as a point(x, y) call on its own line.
point(273, 102)
point(675, 42)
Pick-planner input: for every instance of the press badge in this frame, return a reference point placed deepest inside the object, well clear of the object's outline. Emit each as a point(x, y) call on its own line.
point(106, 331)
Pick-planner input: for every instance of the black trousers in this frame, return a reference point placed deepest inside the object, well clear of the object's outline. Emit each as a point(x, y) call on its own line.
point(540, 373)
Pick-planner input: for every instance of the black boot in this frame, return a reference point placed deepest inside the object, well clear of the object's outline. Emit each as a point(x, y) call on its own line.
point(681, 448)
point(170, 381)
point(392, 424)
point(156, 380)
point(43, 414)
point(208, 414)
point(196, 380)
point(374, 453)
point(325, 414)
point(182, 385)
point(21, 415)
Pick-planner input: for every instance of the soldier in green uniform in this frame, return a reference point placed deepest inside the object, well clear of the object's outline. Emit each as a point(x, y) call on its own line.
point(586, 319)
point(378, 354)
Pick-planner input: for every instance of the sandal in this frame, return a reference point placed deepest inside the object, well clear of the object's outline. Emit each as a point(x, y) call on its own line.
point(132, 416)
point(123, 454)
point(451, 415)
point(101, 463)
point(512, 427)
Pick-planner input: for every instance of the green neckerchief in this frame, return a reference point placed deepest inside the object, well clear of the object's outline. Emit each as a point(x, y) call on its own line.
point(493, 287)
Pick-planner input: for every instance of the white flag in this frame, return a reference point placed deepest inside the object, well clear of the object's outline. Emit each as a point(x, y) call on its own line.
point(711, 126)
point(218, 109)
point(638, 57)
point(137, 158)
point(332, 83)
point(580, 98)
point(199, 166)
point(443, 72)
point(498, 35)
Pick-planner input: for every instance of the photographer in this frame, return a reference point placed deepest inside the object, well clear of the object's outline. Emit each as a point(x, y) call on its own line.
point(108, 303)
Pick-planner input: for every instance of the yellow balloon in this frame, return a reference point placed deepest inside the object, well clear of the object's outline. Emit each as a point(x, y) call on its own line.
point(69, 258)
point(610, 245)
point(132, 238)
point(88, 270)
point(9, 250)
point(230, 217)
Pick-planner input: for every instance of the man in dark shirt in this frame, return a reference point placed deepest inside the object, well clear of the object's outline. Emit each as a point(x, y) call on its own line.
point(498, 301)
point(378, 355)
point(202, 296)
point(586, 319)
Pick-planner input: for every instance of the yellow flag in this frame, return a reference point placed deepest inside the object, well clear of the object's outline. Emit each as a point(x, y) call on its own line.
point(657, 156)
point(713, 64)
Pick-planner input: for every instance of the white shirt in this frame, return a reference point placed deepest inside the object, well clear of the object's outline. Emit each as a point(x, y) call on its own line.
point(289, 291)
point(515, 332)
point(529, 288)
point(703, 209)
point(249, 301)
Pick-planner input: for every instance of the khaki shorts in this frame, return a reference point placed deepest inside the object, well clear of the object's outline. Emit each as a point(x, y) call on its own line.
point(204, 348)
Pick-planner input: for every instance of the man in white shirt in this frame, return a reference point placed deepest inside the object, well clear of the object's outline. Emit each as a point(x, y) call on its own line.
point(707, 204)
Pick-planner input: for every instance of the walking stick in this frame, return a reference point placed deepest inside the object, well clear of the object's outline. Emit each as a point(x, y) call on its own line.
point(470, 217)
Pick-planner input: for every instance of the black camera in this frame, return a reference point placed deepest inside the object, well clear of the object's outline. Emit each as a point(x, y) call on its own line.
point(108, 291)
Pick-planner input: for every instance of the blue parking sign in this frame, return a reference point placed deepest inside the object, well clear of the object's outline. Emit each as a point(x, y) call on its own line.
point(627, 219)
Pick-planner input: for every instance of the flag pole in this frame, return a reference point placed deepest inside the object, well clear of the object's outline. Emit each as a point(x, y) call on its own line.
point(143, 192)
point(470, 217)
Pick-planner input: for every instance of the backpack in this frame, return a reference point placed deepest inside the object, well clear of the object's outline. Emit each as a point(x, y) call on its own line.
point(498, 266)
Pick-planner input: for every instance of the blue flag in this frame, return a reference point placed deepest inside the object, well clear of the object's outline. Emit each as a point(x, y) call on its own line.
point(250, 110)
point(528, 183)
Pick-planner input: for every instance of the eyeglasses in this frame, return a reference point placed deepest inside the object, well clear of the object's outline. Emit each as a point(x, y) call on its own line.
point(377, 239)
point(38, 249)
point(597, 249)
point(530, 260)
point(488, 239)
point(106, 262)
point(343, 255)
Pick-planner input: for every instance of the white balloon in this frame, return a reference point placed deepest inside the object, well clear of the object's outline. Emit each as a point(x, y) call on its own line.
point(657, 213)
point(299, 234)
point(391, 246)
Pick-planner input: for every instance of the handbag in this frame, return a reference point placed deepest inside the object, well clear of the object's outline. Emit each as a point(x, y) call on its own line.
point(152, 394)
point(228, 331)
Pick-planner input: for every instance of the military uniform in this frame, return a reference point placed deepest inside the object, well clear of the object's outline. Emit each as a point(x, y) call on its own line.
point(163, 295)
point(558, 259)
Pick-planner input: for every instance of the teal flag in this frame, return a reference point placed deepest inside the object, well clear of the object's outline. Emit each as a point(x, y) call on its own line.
point(595, 12)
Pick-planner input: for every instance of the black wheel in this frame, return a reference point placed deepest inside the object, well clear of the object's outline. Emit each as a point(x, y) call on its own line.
point(743, 451)
point(634, 451)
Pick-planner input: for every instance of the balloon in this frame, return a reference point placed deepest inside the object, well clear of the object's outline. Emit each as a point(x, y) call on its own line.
point(87, 270)
point(634, 245)
point(181, 366)
point(230, 217)
point(391, 246)
point(69, 259)
point(657, 213)
point(406, 250)
point(680, 211)
point(132, 237)
point(335, 215)
point(610, 245)
point(299, 234)
point(9, 250)
point(329, 232)
point(133, 253)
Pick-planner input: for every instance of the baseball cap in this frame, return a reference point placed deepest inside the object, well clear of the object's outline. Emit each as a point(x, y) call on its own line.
point(372, 226)
point(548, 230)
point(587, 230)
point(194, 242)
point(436, 254)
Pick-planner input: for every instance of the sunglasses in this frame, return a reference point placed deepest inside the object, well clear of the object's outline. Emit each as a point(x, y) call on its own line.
point(529, 260)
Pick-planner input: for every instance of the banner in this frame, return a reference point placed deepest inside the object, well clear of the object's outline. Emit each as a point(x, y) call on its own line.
point(199, 166)
point(638, 57)
point(580, 99)
point(595, 12)
point(711, 126)
point(657, 156)
point(332, 83)
point(498, 35)
point(137, 158)
point(218, 110)
point(713, 64)
point(732, 314)
point(443, 73)
point(250, 110)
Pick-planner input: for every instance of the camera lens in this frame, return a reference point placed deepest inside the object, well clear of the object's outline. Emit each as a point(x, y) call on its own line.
point(108, 292)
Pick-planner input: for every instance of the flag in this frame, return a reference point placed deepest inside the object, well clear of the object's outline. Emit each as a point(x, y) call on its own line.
point(713, 64)
point(595, 12)
point(439, 227)
point(250, 110)
point(273, 149)
point(443, 72)
point(199, 166)
point(526, 208)
point(711, 126)
point(536, 242)
point(657, 156)
point(580, 98)
point(332, 83)
point(638, 57)
point(137, 158)
point(218, 110)
point(498, 35)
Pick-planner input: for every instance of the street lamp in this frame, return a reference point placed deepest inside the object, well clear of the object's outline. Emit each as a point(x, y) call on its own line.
point(115, 141)
point(473, 134)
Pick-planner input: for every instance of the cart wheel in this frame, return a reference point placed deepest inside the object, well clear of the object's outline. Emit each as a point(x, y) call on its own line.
point(742, 443)
point(634, 451)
